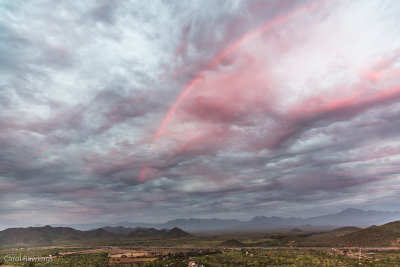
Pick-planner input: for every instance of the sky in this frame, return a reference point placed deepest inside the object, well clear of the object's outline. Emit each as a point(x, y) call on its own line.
point(146, 111)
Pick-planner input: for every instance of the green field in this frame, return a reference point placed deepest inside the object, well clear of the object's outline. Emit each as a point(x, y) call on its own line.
point(339, 247)
point(244, 257)
point(288, 258)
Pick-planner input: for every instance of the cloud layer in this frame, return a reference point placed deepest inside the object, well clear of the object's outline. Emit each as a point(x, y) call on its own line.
point(147, 111)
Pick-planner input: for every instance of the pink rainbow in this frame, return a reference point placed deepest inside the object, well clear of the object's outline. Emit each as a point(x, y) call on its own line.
point(233, 47)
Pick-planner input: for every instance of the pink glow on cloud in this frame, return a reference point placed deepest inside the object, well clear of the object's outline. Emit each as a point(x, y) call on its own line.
point(248, 37)
point(235, 108)
point(221, 98)
point(217, 60)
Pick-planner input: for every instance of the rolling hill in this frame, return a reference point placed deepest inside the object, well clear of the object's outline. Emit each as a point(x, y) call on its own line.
point(47, 235)
point(345, 230)
point(120, 230)
point(177, 233)
point(374, 236)
point(155, 234)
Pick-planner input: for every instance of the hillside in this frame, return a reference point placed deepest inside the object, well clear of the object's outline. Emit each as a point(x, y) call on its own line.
point(155, 234)
point(47, 235)
point(346, 229)
point(376, 236)
point(177, 233)
point(119, 230)
point(147, 233)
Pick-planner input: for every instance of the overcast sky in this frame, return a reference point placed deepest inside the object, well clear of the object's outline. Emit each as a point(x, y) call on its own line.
point(154, 110)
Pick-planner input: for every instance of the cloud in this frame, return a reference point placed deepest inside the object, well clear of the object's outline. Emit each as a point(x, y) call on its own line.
point(289, 108)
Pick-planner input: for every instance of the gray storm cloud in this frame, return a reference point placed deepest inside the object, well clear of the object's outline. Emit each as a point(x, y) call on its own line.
point(298, 119)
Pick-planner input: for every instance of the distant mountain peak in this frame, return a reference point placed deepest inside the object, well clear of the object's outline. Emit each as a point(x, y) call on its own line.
point(352, 210)
point(346, 217)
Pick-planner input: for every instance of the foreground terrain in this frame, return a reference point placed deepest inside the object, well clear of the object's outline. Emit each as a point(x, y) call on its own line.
point(115, 256)
point(119, 246)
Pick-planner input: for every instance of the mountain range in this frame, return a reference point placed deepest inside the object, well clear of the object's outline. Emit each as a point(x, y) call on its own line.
point(347, 217)
point(48, 235)
point(374, 236)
